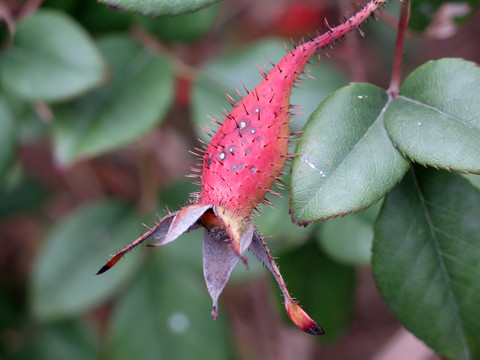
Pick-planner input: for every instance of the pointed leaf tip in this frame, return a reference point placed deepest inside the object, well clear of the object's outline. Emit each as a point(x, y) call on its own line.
point(301, 319)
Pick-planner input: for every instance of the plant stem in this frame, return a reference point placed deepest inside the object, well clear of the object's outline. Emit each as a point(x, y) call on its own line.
point(398, 54)
point(181, 69)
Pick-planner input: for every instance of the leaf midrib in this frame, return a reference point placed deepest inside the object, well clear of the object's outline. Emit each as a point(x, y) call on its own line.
point(419, 103)
point(443, 267)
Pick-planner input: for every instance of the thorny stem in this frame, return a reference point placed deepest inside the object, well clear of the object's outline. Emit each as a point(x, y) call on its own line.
point(398, 54)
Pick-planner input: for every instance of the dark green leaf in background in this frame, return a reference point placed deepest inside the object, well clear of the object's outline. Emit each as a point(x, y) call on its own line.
point(64, 282)
point(67, 339)
point(345, 159)
point(8, 138)
point(426, 260)
point(51, 59)
point(99, 19)
point(324, 288)
point(158, 7)
point(31, 127)
point(131, 104)
point(348, 240)
point(435, 120)
point(166, 313)
point(187, 27)
point(20, 194)
point(229, 73)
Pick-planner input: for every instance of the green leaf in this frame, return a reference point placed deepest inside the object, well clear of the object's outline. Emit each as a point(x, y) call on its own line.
point(435, 119)
point(425, 260)
point(131, 104)
point(51, 59)
point(324, 288)
point(345, 159)
point(474, 180)
point(166, 313)
point(71, 340)
point(187, 27)
point(63, 276)
point(20, 194)
point(99, 19)
point(8, 138)
point(158, 7)
point(225, 75)
point(348, 240)
point(31, 128)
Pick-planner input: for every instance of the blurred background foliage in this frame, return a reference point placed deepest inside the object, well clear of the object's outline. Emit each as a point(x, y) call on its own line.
point(98, 109)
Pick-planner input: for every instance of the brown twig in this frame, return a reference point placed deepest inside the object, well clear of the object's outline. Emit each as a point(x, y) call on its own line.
point(182, 69)
point(398, 54)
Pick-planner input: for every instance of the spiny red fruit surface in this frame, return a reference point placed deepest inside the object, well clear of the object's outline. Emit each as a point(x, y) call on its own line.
point(249, 149)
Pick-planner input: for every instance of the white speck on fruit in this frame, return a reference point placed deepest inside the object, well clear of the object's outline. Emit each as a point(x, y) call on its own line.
point(242, 124)
point(221, 155)
point(252, 131)
point(231, 149)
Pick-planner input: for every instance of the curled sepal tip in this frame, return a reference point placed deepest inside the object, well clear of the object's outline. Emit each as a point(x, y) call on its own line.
point(214, 313)
point(298, 316)
point(110, 263)
point(158, 231)
point(301, 319)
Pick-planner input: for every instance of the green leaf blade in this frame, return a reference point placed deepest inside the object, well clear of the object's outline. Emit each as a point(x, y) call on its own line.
point(435, 119)
point(64, 281)
point(135, 100)
point(8, 138)
point(52, 59)
point(348, 240)
point(58, 340)
point(186, 28)
point(425, 260)
point(345, 159)
point(159, 7)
